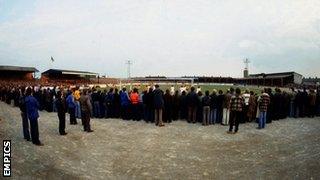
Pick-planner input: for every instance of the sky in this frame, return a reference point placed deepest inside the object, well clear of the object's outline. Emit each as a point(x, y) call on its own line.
point(162, 37)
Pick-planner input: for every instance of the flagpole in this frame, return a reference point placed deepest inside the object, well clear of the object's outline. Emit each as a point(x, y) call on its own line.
point(52, 61)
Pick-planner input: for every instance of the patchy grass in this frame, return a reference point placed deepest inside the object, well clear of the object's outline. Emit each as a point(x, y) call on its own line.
point(204, 88)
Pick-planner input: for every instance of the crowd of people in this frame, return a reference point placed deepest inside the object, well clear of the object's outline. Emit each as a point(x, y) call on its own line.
point(153, 105)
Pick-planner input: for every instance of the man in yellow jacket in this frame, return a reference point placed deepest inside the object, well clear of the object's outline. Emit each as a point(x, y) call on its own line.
point(76, 95)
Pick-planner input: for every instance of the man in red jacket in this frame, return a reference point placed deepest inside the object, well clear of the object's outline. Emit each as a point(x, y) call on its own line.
point(134, 99)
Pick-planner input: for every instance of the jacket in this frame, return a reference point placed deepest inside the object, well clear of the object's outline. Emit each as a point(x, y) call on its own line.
point(134, 97)
point(158, 99)
point(192, 99)
point(61, 105)
point(70, 101)
point(22, 104)
point(264, 102)
point(32, 107)
point(77, 95)
point(312, 99)
point(220, 99)
point(167, 98)
point(206, 101)
point(214, 101)
point(85, 104)
point(109, 98)
point(149, 100)
point(226, 101)
point(124, 98)
point(237, 103)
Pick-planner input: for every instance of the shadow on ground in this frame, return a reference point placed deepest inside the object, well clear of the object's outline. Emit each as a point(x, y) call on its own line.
point(287, 149)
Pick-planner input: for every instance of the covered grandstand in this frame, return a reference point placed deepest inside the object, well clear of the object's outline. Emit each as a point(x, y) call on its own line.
point(17, 73)
point(67, 76)
point(272, 79)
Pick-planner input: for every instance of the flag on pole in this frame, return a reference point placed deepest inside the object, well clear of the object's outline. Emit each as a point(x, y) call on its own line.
point(52, 59)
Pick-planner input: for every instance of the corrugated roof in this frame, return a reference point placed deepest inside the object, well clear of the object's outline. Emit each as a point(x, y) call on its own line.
point(271, 75)
point(18, 68)
point(311, 80)
point(267, 77)
point(62, 71)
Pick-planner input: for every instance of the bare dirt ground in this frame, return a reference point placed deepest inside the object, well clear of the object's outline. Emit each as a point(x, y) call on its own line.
point(117, 149)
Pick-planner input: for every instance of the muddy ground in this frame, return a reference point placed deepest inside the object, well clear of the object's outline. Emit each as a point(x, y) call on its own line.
point(117, 149)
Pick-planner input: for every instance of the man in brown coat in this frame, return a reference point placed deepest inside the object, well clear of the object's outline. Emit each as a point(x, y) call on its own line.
point(86, 111)
point(252, 110)
point(312, 103)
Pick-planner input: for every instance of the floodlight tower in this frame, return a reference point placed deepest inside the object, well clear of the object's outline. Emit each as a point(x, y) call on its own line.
point(246, 69)
point(128, 68)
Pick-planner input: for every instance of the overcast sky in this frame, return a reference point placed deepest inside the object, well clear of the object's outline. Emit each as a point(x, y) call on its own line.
point(162, 37)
